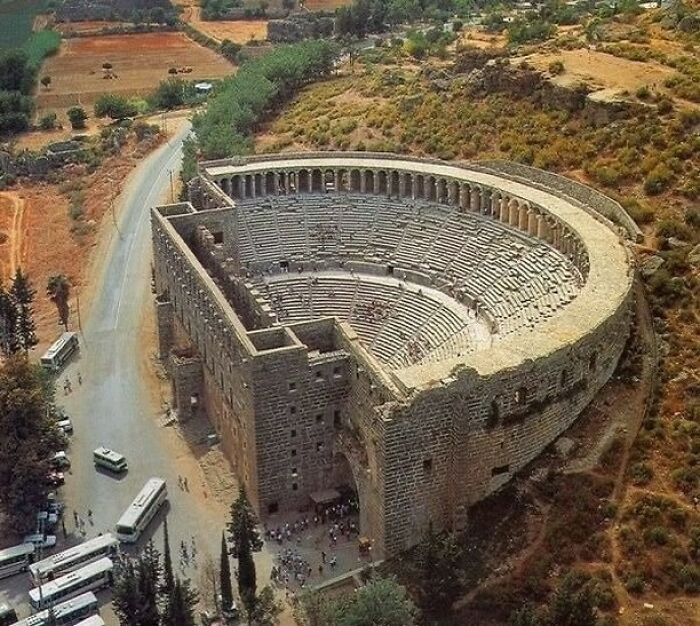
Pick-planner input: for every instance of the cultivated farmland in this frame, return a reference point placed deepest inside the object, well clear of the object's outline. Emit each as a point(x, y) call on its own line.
point(139, 63)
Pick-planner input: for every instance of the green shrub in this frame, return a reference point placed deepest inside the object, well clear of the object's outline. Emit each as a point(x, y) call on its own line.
point(556, 67)
point(48, 121)
point(641, 473)
point(634, 584)
point(674, 228)
point(658, 180)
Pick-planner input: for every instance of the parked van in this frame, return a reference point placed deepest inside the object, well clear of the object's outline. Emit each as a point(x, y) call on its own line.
point(109, 459)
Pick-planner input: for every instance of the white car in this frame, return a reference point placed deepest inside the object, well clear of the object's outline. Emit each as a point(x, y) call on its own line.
point(66, 426)
point(60, 460)
point(41, 541)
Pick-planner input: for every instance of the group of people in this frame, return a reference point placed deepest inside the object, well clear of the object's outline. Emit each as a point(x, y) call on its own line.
point(80, 522)
point(68, 386)
point(294, 567)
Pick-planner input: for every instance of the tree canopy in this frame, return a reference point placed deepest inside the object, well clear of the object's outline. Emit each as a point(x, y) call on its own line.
point(29, 439)
point(224, 129)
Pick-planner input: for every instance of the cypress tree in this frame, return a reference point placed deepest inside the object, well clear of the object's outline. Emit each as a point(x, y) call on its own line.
point(148, 576)
point(22, 293)
point(125, 598)
point(225, 574)
point(245, 539)
point(9, 343)
point(168, 578)
point(184, 601)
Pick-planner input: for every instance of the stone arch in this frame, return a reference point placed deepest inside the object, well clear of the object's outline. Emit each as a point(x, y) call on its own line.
point(394, 184)
point(304, 181)
point(271, 183)
point(475, 199)
point(464, 196)
point(236, 186)
point(453, 193)
point(355, 181)
point(406, 184)
point(369, 181)
point(258, 181)
point(419, 184)
point(342, 178)
point(292, 186)
point(430, 188)
point(382, 182)
point(328, 181)
point(316, 180)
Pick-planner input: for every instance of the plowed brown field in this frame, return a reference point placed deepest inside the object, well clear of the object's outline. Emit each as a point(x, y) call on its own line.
point(139, 63)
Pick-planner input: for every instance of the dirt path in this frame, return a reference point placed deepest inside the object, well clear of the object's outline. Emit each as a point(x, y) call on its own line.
point(648, 339)
point(16, 240)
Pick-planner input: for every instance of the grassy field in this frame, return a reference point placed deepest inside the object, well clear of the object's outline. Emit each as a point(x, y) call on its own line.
point(16, 19)
point(41, 45)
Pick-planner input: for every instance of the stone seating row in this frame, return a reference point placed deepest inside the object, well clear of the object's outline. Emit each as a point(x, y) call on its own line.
point(501, 268)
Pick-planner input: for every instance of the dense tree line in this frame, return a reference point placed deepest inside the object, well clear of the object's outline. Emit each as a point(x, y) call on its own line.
point(16, 82)
point(260, 85)
point(29, 438)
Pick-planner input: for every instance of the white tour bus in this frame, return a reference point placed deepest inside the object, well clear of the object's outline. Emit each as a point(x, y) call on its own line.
point(141, 510)
point(16, 559)
point(92, 576)
point(109, 459)
point(93, 620)
point(60, 351)
point(73, 558)
point(65, 612)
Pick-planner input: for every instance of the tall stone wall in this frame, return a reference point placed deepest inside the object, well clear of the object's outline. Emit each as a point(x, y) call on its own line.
point(296, 400)
point(456, 443)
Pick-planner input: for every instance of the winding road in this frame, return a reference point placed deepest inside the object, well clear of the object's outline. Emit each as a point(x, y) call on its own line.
point(115, 404)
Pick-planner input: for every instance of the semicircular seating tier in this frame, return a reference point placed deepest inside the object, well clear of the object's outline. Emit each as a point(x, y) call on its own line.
point(497, 279)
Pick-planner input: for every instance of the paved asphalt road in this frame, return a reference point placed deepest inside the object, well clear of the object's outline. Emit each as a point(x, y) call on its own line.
point(113, 406)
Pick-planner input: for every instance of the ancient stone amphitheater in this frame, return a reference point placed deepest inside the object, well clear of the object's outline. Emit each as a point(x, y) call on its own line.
point(417, 330)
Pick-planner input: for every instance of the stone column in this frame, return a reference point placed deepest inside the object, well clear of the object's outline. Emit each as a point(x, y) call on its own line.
point(336, 180)
point(541, 228)
point(475, 199)
point(522, 218)
point(414, 186)
point(402, 185)
point(263, 184)
point(464, 196)
point(531, 222)
point(514, 212)
point(363, 181)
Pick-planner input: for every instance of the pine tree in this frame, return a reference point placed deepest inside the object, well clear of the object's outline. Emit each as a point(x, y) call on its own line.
point(225, 575)
point(9, 343)
point(23, 293)
point(244, 539)
point(168, 578)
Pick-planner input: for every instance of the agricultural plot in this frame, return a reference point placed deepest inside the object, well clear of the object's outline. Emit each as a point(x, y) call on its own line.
point(16, 20)
point(138, 64)
point(324, 5)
